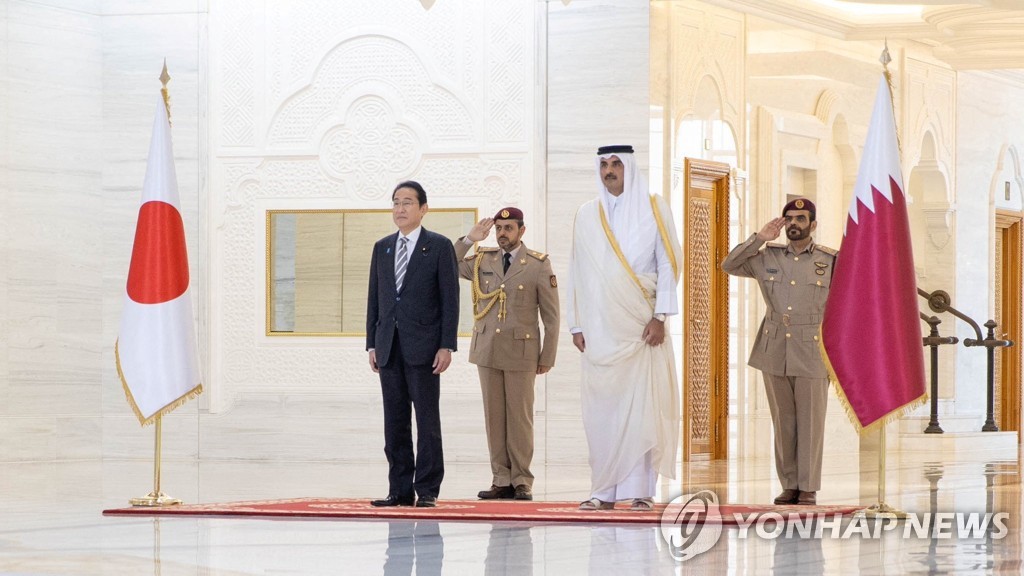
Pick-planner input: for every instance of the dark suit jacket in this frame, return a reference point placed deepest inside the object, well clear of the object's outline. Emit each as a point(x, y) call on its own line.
point(425, 312)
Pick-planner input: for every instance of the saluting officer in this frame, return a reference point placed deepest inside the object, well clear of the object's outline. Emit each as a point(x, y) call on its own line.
point(794, 280)
point(512, 286)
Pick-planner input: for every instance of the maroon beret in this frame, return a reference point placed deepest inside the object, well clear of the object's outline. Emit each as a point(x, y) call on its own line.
point(800, 204)
point(509, 213)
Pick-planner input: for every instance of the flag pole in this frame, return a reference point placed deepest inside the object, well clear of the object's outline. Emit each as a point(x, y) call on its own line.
point(156, 497)
point(881, 509)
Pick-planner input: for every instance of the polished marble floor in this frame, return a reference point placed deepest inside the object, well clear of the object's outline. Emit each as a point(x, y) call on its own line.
point(50, 523)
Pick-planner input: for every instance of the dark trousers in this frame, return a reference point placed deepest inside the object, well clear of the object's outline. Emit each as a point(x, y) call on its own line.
point(404, 387)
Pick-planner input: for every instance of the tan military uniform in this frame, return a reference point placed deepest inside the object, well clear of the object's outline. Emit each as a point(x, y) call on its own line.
point(508, 346)
point(795, 287)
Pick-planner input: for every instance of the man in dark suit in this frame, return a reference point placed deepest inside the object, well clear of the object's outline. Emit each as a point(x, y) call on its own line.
point(412, 317)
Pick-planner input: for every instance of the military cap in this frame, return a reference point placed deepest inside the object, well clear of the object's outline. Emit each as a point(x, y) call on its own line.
point(509, 213)
point(615, 149)
point(800, 204)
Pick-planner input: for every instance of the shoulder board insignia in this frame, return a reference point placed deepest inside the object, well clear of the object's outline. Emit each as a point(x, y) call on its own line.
point(775, 245)
point(826, 249)
point(538, 255)
point(486, 249)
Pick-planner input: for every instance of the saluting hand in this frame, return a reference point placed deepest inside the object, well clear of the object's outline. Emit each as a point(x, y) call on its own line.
point(481, 230)
point(772, 229)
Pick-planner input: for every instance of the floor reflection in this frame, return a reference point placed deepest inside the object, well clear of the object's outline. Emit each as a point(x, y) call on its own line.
point(50, 524)
point(416, 544)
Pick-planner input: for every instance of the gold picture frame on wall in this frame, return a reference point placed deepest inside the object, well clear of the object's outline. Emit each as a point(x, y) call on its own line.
point(318, 265)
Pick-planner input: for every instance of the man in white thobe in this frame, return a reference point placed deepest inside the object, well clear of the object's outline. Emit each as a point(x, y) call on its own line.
point(623, 273)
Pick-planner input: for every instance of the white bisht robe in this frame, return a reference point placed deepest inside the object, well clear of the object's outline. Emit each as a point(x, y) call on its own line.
point(629, 394)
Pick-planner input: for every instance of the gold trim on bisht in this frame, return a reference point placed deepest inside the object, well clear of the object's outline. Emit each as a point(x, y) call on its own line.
point(618, 252)
point(666, 239)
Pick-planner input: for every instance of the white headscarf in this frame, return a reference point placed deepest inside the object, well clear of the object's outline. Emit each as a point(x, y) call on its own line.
point(632, 220)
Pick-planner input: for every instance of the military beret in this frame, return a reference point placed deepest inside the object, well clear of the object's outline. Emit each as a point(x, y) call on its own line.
point(615, 149)
point(509, 213)
point(800, 204)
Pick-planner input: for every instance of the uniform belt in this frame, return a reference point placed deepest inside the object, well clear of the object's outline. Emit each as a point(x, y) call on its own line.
point(794, 319)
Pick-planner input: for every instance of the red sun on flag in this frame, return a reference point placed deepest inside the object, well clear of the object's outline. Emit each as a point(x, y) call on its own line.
point(159, 266)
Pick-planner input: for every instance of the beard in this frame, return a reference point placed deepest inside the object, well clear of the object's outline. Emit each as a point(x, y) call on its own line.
point(794, 233)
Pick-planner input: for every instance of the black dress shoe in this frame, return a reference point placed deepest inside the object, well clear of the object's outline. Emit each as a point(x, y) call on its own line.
point(523, 492)
point(393, 500)
point(497, 493)
point(426, 502)
point(788, 496)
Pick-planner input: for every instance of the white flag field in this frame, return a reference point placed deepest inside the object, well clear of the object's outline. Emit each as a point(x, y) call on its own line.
point(156, 351)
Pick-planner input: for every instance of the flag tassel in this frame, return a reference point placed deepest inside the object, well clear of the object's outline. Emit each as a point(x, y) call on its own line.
point(156, 497)
point(878, 424)
point(191, 394)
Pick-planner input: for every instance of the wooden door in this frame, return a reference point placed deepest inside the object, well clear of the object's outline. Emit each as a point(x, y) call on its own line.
point(706, 310)
point(1009, 251)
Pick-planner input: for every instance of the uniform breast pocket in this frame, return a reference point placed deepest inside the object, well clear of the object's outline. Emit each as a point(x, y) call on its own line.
point(817, 286)
point(817, 289)
point(821, 280)
point(769, 282)
point(525, 294)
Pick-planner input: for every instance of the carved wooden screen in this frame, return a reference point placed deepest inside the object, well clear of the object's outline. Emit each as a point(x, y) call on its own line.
point(706, 303)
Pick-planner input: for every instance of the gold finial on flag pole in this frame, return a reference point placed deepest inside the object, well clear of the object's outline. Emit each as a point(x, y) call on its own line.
point(164, 79)
point(885, 59)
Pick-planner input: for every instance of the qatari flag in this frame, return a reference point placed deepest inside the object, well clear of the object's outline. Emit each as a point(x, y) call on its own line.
point(871, 332)
point(156, 344)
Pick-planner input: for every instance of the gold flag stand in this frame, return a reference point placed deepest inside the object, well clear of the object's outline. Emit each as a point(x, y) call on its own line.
point(156, 497)
point(881, 509)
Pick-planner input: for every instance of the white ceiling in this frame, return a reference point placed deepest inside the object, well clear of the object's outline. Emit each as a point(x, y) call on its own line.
point(966, 34)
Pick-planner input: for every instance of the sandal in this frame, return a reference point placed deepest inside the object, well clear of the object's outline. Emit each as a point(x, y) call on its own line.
point(642, 505)
point(595, 504)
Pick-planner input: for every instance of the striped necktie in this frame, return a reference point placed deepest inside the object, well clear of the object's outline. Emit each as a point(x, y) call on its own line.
point(401, 263)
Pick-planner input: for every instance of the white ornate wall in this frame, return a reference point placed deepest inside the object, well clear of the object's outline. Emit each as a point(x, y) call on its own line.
point(323, 104)
point(990, 128)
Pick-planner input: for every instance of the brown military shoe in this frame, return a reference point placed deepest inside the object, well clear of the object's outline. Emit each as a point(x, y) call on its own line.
point(788, 496)
point(523, 492)
point(807, 498)
point(497, 493)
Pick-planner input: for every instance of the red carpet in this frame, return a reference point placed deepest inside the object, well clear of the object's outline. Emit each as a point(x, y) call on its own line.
point(460, 510)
